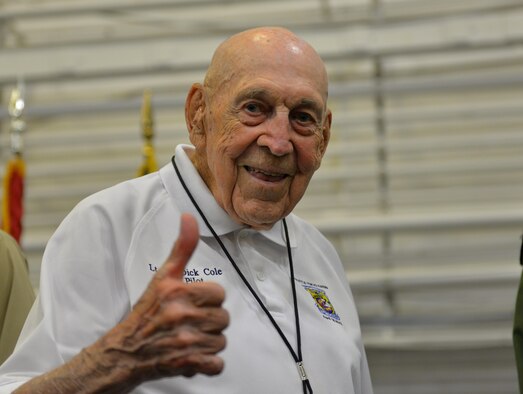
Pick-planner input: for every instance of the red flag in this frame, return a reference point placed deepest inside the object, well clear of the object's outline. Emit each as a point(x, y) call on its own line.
point(13, 199)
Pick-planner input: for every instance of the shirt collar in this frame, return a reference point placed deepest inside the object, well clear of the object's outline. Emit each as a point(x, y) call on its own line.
point(217, 217)
point(277, 233)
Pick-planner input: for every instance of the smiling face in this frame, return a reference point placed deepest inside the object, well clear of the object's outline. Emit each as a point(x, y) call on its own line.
point(260, 124)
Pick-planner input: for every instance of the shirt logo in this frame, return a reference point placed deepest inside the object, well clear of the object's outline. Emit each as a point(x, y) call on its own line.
point(323, 303)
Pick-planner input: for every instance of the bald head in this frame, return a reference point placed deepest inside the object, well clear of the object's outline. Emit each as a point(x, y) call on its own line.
point(269, 47)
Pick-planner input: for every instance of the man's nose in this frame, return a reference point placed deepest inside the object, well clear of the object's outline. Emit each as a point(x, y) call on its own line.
point(277, 134)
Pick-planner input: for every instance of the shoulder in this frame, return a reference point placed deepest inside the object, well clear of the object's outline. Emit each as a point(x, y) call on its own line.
point(136, 194)
point(10, 252)
point(7, 241)
point(304, 230)
point(126, 202)
point(312, 242)
point(105, 222)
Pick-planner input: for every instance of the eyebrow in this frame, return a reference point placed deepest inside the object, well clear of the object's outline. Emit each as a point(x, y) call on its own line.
point(310, 104)
point(264, 94)
point(252, 93)
point(313, 105)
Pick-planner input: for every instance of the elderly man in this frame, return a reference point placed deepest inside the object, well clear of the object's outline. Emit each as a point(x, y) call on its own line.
point(112, 318)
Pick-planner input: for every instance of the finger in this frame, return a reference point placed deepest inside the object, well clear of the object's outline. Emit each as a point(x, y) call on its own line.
point(186, 341)
point(208, 364)
point(206, 319)
point(211, 320)
point(183, 247)
point(205, 294)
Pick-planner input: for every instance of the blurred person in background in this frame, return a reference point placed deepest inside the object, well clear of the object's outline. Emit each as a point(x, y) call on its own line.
point(518, 325)
point(16, 293)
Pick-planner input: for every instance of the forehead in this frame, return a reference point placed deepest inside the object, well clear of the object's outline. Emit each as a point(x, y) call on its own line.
point(276, 81)
point(277, 93)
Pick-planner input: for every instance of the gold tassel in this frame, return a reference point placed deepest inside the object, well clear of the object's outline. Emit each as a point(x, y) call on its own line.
point(149, 159)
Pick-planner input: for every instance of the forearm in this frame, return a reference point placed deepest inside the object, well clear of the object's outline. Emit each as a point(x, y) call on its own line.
point(88, 372)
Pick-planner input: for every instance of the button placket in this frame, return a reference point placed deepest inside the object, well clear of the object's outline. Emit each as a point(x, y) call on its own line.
point(252, 271)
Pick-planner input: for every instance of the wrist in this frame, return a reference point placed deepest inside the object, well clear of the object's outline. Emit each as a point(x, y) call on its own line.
point(114, 370)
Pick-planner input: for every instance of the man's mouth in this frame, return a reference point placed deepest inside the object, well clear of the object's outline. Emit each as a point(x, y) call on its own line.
point(265, 175)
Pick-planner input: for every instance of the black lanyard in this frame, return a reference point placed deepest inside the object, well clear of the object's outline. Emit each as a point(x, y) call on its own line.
point(296, 356)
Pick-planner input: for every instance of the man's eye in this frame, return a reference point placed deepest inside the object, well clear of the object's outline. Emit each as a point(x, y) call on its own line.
point(253, 108)
point(303, 117)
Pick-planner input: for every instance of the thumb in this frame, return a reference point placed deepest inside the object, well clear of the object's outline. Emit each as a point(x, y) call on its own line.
point(184, 246)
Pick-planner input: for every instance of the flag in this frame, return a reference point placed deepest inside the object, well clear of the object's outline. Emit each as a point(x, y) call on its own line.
point(149, 159)
point(13, 197)
point(13, 183)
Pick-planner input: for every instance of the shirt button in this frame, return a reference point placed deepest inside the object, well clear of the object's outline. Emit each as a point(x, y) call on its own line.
point(260, 275)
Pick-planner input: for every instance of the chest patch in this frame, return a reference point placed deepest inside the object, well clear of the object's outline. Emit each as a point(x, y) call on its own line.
point(323, 303)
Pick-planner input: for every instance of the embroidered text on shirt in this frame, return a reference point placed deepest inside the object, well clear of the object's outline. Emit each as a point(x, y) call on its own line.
point(195, 274)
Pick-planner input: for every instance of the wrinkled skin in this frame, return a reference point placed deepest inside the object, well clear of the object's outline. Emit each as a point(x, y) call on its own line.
point(260, 124)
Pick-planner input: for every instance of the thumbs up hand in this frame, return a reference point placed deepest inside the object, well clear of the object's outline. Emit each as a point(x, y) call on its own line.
point(175, 328)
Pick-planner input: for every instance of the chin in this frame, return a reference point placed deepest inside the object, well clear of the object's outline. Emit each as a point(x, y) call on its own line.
point(261, 219)
point(258, 213)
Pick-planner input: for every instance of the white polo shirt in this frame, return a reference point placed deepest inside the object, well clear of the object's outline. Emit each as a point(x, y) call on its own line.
point(107, 249)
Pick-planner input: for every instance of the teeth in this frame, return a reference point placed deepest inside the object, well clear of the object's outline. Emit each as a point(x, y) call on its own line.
point(250, 169)
point(266, 173)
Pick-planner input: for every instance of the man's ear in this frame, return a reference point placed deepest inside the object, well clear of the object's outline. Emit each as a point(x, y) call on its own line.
point(326, 130)
point(194, 111)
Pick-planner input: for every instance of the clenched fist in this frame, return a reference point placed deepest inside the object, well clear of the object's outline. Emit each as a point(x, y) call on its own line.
point(175, 328)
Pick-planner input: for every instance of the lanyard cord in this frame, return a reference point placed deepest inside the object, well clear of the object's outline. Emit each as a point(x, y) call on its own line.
point(297, 357)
